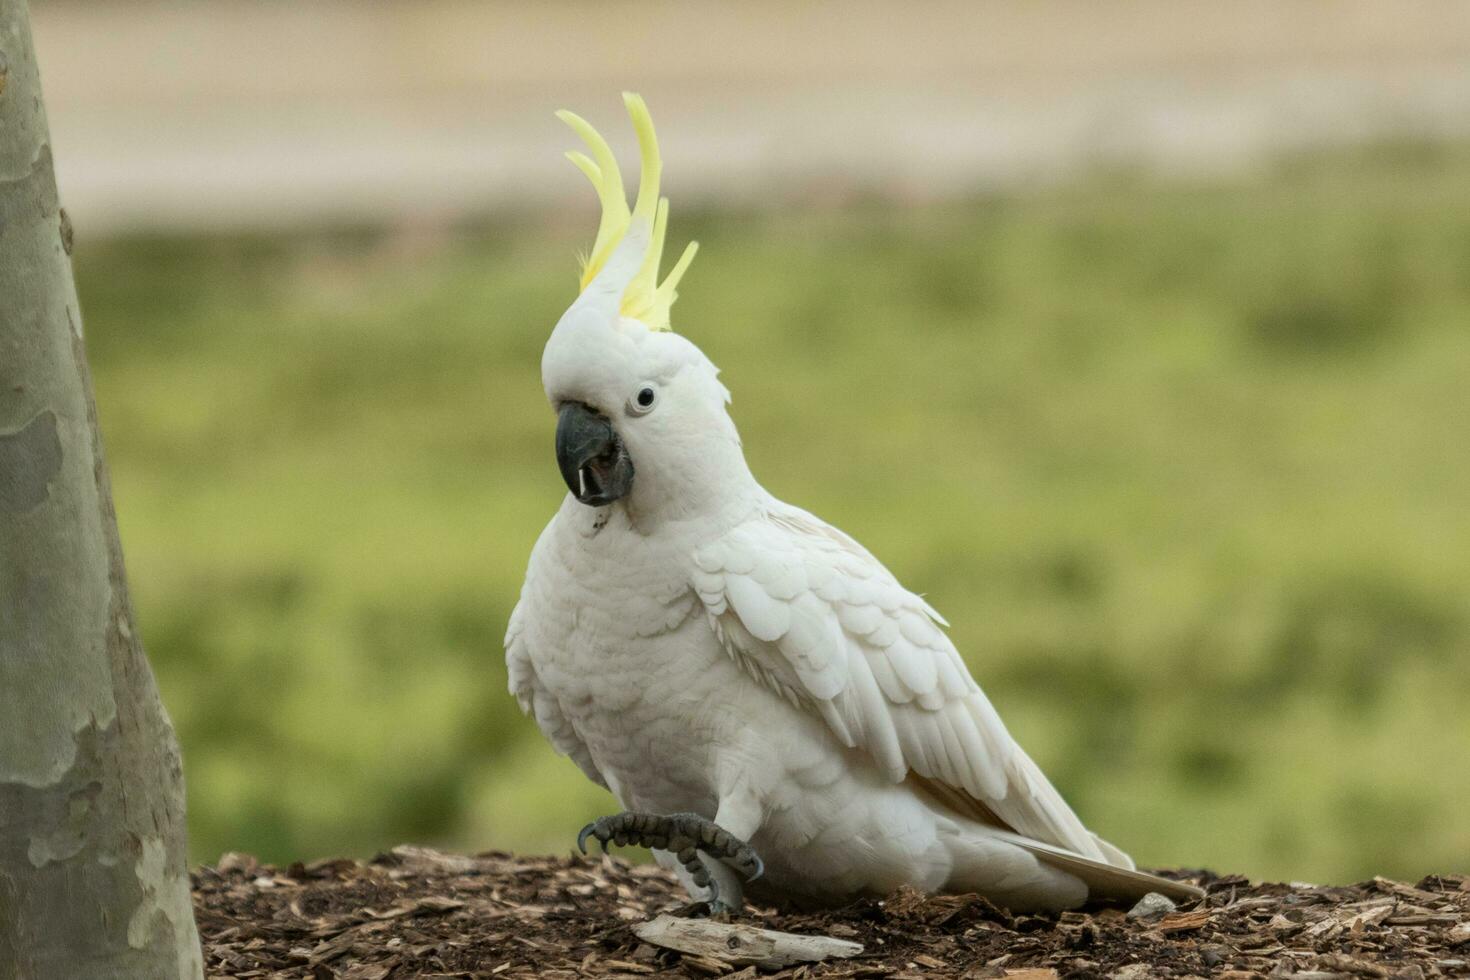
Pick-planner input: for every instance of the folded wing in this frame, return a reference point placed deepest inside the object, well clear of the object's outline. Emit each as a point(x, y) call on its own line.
point(811, 613)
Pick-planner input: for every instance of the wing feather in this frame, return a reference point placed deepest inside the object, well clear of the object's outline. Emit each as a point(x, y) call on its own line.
point(765, 617)
point(879, 735)
point(811, 613)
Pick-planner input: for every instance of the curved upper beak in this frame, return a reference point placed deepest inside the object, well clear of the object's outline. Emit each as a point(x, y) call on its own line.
point(592, 459)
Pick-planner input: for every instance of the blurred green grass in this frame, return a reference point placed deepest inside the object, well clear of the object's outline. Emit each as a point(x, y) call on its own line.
point(1186, 466)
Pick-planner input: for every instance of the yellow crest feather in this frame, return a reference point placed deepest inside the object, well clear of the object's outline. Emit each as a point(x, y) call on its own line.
point(644, 299)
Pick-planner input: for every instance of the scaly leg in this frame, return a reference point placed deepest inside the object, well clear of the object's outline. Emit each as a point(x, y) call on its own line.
point(692, 839)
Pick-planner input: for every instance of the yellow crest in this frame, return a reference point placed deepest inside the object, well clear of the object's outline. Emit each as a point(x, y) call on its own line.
point(645, 298)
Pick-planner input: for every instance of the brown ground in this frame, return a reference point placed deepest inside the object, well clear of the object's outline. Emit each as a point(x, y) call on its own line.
point(419, 913)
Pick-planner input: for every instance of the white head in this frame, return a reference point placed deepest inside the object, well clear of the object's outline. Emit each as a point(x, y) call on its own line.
point(642, 416)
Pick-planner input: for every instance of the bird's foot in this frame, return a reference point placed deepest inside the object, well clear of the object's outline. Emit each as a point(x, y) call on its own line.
point(720, 910)
point(685, 835)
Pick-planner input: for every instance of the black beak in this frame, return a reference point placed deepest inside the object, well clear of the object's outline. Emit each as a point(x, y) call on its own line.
point(591, 456)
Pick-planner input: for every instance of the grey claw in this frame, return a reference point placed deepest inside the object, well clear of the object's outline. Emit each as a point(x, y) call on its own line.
point(706, 880)
point(685, 834)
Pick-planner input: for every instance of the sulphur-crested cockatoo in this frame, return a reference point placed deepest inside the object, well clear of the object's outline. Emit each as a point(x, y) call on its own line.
point(773, 709)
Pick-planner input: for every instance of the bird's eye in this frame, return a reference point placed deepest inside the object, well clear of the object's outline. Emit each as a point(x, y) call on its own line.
point(642, 401)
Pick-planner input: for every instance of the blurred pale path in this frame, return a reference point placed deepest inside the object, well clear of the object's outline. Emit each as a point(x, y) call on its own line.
point(220, 113)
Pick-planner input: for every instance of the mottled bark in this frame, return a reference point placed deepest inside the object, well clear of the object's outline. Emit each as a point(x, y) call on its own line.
point(92, 847)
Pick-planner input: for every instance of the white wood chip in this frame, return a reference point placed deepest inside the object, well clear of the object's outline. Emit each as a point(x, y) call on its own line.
point(742, 945)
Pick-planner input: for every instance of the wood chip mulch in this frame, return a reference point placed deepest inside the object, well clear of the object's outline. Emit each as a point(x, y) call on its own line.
point(420, 913)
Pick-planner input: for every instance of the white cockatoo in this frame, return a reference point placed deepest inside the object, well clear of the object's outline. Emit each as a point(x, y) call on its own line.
point(773, 709)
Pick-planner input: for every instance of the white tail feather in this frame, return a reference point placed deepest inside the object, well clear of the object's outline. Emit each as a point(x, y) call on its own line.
point(1106, 882)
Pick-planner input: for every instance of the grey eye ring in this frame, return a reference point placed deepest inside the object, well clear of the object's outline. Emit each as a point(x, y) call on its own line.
point(643, 400)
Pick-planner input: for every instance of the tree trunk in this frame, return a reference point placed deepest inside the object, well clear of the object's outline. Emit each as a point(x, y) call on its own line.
point(93, 882)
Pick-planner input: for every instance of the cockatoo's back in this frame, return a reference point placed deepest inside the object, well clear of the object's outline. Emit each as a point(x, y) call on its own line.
point(823, 623)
